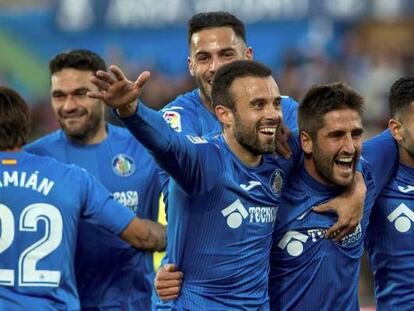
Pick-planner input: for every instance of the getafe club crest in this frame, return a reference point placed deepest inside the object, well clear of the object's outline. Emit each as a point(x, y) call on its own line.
point(123, 165)
point(276, 182)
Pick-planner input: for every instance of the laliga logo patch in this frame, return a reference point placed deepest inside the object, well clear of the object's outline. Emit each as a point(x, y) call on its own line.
point(173, 119)
point(123, 165)
point(276, 182)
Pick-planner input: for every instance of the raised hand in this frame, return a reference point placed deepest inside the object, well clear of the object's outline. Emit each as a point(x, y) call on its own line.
point(116, 91)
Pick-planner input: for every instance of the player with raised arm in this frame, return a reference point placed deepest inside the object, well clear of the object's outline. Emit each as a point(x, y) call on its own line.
point(109, 273)
point(215, 39)
point(224, 191)
point(41, 204)
point(309, 272)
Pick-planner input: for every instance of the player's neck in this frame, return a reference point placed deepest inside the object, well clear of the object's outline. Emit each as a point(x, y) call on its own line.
point(207, 102)
point(93, 137)
point(310, 168)
point(244, 155)
point(406, 158)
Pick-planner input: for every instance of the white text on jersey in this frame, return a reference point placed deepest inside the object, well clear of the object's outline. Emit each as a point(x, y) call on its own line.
point(23, 180)
point(128, 199)
point(407, 189)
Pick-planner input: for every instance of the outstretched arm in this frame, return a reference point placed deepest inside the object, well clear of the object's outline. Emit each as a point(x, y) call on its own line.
point(349, 207)
point(145, 234)
point(184, 158)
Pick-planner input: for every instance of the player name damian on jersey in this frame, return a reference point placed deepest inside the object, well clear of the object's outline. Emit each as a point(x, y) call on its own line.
point(24, 180)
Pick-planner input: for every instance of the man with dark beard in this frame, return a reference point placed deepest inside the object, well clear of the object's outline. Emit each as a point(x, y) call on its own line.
point(109, 272)
point(308, 271)
point(42, 203)
point(224, 191)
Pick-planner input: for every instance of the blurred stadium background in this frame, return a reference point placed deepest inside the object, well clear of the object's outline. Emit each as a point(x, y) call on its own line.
point(367, 43)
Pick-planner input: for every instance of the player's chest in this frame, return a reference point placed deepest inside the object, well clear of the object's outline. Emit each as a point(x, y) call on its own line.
point(396, 208)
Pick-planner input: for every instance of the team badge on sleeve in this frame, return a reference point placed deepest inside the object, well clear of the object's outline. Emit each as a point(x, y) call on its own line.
point(173, 119)
point(276, 182)
point(123, 165)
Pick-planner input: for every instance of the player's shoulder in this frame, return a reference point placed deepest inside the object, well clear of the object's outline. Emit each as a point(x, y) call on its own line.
point(289, 101)
point(47, 141)
point(186, 101)
point(118, 132)
point(121, 138)
point(53, 165)
point(365, 168)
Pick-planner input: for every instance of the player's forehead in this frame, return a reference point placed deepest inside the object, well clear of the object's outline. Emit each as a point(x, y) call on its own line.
point(70, 79)
point(342, 120)
point(249, 88)
point(215, 38)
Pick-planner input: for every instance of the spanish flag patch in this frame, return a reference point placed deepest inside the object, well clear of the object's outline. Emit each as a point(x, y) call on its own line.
point(9, 161)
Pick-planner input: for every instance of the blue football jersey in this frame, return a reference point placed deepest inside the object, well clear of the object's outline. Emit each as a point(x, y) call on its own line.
point(390, 242)
point(41, 204)
point(188, 115)
point(109, 272)
point(221, 216)
point(381, 151)
point(309, 272)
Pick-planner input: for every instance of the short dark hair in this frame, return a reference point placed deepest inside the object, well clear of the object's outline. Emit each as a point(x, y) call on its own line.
point(207, 20)
point(77, 59)
point(401, 95)
point(323, 98)
point(224, 77)
point(14, 119)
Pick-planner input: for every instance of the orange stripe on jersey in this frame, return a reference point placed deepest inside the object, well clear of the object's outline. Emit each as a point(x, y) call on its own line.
point(9, 161)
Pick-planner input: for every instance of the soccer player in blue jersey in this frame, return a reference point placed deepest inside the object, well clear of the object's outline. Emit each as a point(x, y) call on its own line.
point(109, 272)
point(224, 191)
point(214, 39)
point(309, 272)
point(41, 204)
point(390, 238)
point(217, 38)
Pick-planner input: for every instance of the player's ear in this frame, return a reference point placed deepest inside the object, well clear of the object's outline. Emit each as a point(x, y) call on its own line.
point(249, 53)
point(396, 129)
point(224, 115)
point(190, 65)
point(306, 142)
